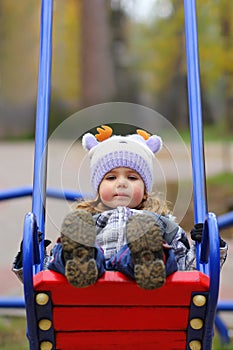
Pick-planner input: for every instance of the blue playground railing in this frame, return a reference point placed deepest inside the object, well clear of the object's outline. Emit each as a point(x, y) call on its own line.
point(225, 220)
point(50, 192)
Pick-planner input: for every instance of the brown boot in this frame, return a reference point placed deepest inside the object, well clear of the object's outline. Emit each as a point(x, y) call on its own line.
point(78, 236)
point(145, 242)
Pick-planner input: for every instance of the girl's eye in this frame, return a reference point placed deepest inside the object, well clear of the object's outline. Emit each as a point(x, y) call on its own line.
point(110, 177)
point(132, 177)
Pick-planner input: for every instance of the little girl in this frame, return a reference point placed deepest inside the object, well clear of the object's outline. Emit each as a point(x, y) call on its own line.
point(125, 228)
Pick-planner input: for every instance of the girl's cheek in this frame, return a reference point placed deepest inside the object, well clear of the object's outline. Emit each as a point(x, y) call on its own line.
point(138, 194)
point(105, 194)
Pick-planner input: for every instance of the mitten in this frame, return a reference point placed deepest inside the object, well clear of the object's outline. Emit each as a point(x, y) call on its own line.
point(18, 260)
point(196, 232)
point(196, 235)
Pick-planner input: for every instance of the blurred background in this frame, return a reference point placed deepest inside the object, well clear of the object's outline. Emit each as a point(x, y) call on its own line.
point(114, 50)
point(111, 51)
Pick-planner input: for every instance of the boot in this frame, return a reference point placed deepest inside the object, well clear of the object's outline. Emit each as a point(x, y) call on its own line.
point(145, 242)
point(78, 236)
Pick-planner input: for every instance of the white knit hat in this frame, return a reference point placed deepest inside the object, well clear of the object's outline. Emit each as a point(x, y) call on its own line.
point(132, 151)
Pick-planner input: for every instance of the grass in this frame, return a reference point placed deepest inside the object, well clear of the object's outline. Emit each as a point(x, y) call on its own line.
point(223, 179)
point(219, 198)
point(220, 195)
point(12, 335)
point(217, 132)
point(218, 346)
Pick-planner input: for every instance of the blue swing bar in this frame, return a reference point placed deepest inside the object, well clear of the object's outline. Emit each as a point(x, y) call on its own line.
point(198, 169)
point(35, 221)
point(42, 115)
point(195, 112)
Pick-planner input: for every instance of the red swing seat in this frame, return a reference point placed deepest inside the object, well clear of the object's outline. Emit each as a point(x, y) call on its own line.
point(116, 314)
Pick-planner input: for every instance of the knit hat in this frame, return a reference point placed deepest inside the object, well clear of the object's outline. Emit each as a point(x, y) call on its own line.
point(107, 152)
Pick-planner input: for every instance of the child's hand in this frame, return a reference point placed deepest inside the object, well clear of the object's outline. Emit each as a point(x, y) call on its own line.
point(196, 232)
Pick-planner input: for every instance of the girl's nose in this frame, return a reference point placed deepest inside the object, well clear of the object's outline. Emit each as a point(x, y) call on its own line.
point(121, 182)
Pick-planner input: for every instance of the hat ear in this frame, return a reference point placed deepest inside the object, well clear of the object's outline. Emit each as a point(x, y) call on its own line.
point(155, 143)
point(89, 141)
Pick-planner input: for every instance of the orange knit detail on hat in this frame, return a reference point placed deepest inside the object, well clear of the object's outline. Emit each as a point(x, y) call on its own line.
point(104, 133)
point(143, 133)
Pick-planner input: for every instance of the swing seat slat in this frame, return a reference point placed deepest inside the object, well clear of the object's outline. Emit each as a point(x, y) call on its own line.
point(114, 287)
point(129, 340)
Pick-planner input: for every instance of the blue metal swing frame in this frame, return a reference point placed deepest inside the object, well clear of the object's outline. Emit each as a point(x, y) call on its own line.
point(208, 260)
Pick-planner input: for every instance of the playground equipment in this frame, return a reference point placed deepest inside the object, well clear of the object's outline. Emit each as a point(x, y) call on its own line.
point(115, 313)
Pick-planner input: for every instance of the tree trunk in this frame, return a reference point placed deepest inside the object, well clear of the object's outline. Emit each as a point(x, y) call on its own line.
point(98, 82)
point(226, 9)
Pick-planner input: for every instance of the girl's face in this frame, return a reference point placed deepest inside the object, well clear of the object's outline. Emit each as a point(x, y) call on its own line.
point(122, 187)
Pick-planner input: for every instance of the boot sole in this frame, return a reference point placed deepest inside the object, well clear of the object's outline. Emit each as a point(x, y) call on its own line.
point(145, 241)
point(81, 275)
point(78, 236)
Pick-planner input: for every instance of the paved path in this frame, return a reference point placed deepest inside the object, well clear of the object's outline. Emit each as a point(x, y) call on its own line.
point(16, 161)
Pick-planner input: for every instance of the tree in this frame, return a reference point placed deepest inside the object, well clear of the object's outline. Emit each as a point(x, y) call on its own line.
point(225, 19)
point(160, 59)
point(97, 69)
point(19, 46)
